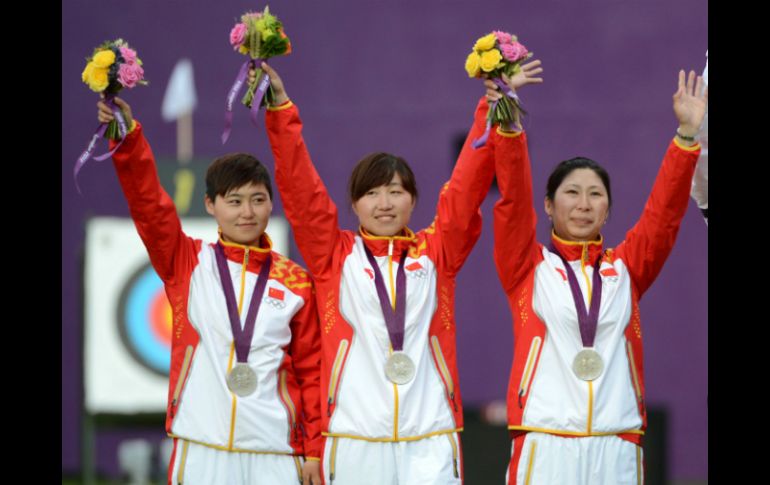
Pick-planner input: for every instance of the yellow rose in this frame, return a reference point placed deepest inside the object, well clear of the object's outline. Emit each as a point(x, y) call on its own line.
point(103, 58)
point(472, 64)
point(243, 49)
point(87, 72)
point(98, 79)
point(489, 60)
point(485, 43)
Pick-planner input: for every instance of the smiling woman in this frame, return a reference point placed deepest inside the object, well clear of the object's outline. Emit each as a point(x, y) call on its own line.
point(236, 415)
point(578, 199)
point(242, 213)
point(383, 193)
point(392, 406)
point(576, 403)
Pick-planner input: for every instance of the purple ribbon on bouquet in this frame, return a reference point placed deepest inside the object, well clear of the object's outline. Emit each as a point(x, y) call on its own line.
point(482, 140)
point(88, 153)
point(264, 82)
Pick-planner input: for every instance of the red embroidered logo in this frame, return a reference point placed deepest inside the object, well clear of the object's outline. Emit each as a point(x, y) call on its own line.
point(562, 273)
point(369, 272)
point(275, 293)
point(414, 266)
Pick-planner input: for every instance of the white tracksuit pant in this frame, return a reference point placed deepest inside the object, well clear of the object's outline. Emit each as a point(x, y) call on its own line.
point(546, 459)
point(429, 461)
point(193, 464)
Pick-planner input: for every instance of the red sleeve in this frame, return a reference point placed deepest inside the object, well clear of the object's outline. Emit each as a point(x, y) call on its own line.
point(310, 210)
point(516, 248)
point(458, 218)
point(306, 358)
point(649, 242)
point(151, 208)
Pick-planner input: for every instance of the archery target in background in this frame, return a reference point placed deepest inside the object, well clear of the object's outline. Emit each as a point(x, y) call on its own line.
point(127, 318)
point(144, 320)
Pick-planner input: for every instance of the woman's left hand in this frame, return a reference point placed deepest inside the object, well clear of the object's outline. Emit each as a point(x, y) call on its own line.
point(526, 75)
point(690, 103)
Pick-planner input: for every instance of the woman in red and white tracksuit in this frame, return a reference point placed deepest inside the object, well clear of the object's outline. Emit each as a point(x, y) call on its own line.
point(580, 419)
point(377, 430)
point(223, 436)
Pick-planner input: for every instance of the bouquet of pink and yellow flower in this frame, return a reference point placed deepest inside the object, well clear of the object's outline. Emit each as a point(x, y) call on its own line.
point(493, 55)
point(112, 67)
point(260, 36)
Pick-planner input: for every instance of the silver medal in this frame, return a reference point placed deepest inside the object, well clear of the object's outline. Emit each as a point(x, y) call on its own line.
point(242, 380)
point(399, 368)
point(588, 365)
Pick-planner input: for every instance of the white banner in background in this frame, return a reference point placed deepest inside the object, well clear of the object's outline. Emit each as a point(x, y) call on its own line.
point(127, 348)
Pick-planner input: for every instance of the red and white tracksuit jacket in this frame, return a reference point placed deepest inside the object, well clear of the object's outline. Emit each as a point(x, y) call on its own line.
point(357, 399)
point(284, 351)
point(544, 395)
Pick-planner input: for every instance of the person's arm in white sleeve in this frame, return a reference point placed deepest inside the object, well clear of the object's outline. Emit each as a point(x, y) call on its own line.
point(700, 181)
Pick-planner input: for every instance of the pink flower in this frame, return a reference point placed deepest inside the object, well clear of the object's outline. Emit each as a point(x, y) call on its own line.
point(514, 52)
point(502, 37)
point(130, 74)
point(237, 35)
point(129, 55)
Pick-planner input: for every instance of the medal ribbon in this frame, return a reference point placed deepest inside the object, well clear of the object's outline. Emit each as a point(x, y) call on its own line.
point(588, 320)
point(243, 336)
point(395, 320)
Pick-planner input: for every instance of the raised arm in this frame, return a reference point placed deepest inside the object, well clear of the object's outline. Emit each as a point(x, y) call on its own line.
point(458, 218)
point(306, 202)
point(516, 248)
point(700, 182)
point(649, 242)
point(151, 208)
point(457, 225)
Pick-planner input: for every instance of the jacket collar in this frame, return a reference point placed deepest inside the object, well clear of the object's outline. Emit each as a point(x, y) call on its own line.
point(385, 245)
point(585, 251)
point(239, 252)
